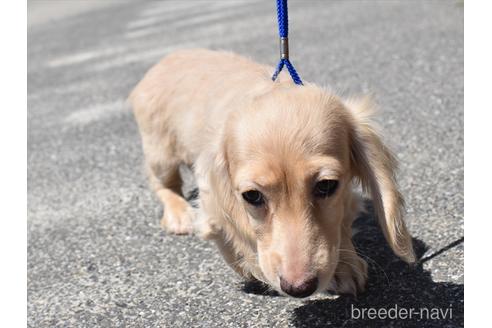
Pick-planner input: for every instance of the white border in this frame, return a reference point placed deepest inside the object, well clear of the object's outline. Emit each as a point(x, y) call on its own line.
point(478, 221)
point(13, 129)
point(478, 164)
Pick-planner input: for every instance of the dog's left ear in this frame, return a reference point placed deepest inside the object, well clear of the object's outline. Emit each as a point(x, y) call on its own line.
point(374, 165)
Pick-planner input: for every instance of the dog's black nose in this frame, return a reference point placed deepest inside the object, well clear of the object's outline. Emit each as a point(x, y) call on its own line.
point(303, 289)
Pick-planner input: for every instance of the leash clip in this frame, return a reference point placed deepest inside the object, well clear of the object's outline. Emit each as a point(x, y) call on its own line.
point(284, 48)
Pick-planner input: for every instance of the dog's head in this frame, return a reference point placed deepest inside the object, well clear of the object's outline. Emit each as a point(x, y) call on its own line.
point(286, 168)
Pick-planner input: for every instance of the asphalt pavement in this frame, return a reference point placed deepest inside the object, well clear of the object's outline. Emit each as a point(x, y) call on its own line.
point(96, 254)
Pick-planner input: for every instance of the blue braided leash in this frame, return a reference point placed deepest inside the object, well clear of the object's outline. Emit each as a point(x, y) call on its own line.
point(283, 31)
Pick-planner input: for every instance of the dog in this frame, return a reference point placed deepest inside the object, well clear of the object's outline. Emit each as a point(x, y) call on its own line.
point(276, 165)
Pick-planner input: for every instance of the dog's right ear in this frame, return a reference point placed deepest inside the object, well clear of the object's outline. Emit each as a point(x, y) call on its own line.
point(222, 217)
point(225, 214)
point(213, 181)
point(374, 165)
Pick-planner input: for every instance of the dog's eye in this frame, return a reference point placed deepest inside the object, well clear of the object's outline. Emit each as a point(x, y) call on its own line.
point(254, 197)
point(325, 188)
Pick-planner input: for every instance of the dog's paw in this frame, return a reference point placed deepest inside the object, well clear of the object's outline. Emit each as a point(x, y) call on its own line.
point(178, 219)
point(350, 276)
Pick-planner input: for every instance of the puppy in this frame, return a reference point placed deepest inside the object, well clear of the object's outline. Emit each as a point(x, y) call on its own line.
point(275, 164)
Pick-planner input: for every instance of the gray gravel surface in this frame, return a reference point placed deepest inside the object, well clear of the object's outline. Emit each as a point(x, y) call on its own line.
point(96, 254)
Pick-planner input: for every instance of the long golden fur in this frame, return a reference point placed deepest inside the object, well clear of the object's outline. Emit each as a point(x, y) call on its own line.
point(222, 115)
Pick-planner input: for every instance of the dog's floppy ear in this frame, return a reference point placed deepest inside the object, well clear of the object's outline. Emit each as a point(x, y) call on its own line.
point(218, 196)
point(374, 165)
point(225, 220)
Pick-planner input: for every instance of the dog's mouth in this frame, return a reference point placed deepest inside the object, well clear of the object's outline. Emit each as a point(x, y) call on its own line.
point(294, 275)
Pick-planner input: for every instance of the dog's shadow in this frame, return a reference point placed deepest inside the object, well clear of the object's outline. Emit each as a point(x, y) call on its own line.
point(397, 294)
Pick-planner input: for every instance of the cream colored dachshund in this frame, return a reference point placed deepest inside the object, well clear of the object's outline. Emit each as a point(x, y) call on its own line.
point(276, 166)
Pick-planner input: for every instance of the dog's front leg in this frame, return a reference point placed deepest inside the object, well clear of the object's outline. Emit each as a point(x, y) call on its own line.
point(351, 272)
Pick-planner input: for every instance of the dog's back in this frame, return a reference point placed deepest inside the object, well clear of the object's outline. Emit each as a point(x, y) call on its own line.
point(200, 83)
